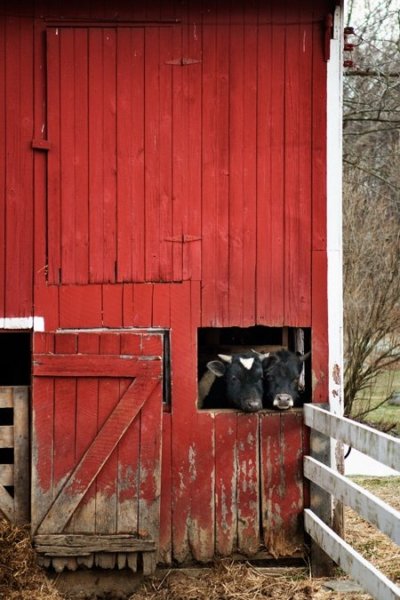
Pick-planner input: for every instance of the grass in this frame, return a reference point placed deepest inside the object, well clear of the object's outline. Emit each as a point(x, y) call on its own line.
point(386, 414)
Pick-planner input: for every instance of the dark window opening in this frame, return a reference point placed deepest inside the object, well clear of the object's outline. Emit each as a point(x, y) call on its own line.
point(166, 371)
point(15, 364)
point(231, 340)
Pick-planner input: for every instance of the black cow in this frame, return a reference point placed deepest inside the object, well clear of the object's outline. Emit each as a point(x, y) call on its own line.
point(282, 372)
point(240, 383)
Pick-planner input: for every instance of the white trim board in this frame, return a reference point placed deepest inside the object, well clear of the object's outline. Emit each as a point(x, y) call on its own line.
point(13, 323)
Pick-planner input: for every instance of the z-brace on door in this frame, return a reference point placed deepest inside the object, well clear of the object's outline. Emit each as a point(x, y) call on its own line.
point(118, 208)
point(97, 407)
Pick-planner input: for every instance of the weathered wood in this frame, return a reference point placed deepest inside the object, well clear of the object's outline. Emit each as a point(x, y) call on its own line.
point(96, 456)
point(7, 475)
point(76, 365)
point(371, 508)
point(21, 456)
point(321, 503)
point(6, 397)
point(6, 436)
point(6, 504)
point(372, 580)
point(380, 446)
point(84, 544)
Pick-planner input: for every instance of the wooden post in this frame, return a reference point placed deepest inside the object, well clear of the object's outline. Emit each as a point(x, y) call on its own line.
point(321, 502)
point(21, 455)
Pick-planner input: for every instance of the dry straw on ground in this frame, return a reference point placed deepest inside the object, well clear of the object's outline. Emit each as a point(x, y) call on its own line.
point(20, 577)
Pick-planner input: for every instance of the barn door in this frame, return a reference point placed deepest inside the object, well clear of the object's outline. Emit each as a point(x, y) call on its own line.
point(96, 448)
point(120, 208)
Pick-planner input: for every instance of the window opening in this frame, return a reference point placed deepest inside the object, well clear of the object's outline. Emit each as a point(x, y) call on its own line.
point(213, 341)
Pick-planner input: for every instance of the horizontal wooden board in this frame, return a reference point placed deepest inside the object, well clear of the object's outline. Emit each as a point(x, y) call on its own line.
point(6, 436)
point(76, 365)
point(372, 580)
point(368, 506)
point(69, 543)
point(380, 446)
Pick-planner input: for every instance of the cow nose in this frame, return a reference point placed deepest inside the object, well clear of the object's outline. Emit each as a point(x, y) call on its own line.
point(283, 401)
point(253, 405)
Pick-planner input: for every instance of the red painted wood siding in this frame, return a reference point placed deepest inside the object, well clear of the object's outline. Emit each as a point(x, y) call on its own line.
point(16, 166)
point(96, 433)
point(187, 152)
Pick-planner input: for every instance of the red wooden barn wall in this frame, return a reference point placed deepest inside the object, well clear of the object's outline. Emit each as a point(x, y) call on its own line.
point(233, 232)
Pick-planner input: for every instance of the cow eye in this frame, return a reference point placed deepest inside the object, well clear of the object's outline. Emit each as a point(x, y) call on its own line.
point(233, 378)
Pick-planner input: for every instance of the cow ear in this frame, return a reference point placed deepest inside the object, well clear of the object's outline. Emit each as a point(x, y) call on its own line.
point(216, 367)
point(305, 356)
point(225, 357)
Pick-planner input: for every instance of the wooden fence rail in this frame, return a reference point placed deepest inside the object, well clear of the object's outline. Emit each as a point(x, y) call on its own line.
point(381, 447)
point(14, 448)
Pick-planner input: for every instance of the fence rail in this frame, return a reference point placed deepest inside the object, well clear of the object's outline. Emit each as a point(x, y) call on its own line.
point(14, 454)
point(377, 445)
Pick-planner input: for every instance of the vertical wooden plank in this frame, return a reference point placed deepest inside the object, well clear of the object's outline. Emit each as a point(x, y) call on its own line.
point(215, 138)
point(64, 416)
point(165, 539)
point(106, 481)
point(319, 257)
point(21, 456)
point(150, 465)
point(298, 172)
point(128, 458)
point(248, 484)
point(165, 161)
point(236, 172)
point(292, 458)
point(192, 46)
point(2, 168)
point(226, 464)
point(270, 169)
point(130, 154)
point(109, 155)
point(271, 491)
point(42, 448)
point(18, 167)
point(54, 158)
point(96, 167)
point(249, 190)
point(68, 199)
point(81, 166)
point(182, 351)
point(152, 154)
point(83, 519)
point(202, 484)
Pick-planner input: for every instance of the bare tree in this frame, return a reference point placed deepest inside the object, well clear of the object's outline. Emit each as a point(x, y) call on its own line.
point(372, 201)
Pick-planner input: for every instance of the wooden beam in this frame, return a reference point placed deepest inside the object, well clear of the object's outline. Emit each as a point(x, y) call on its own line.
point(7, 475)
point(6, 436)
point(78, 544)
point(6, 397)
point(380, 446)
point(21, 456)
point(6, 505)
point(373, 581)
point(83, 365)
point(371, 508)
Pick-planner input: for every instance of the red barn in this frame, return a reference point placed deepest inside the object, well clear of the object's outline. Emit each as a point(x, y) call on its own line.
point(169, 189)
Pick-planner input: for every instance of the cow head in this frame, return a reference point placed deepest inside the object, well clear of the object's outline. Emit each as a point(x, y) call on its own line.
point(282, 372)
point(243, 377)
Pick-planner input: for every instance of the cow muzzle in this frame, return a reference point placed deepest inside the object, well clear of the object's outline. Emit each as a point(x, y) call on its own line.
point(252, 405)
point(283, 401)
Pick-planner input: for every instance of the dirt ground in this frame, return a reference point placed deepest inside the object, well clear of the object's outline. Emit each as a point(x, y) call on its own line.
point(22, 579)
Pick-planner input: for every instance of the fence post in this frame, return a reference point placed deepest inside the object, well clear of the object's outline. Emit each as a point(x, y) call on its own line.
point(321, 502)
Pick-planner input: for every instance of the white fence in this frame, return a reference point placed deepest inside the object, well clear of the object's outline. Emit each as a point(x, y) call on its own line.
point(381, 447)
